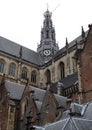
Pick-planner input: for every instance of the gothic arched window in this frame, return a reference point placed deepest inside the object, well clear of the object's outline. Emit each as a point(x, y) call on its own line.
point(24, 73)
point(48, 76)
point(61, 71)
point(12, 68)
point(2, 63)
point(33, 76)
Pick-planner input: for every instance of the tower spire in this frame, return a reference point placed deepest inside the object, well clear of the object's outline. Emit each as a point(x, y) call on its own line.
point(48, 40)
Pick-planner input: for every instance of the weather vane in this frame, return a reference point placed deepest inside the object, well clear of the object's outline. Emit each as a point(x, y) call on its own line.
point(54, 8)
point(47, 6)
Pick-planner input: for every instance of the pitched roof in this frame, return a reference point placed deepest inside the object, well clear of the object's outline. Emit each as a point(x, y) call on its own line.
point(13, 49)
point(61, 100)
point(88, 111)
point(15, 90)
point(68, 122)
point(40, 93)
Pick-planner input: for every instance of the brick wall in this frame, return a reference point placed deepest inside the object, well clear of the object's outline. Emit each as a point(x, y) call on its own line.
point(86, 69)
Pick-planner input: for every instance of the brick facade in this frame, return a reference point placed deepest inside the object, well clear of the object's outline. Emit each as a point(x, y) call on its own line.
point(86, 68)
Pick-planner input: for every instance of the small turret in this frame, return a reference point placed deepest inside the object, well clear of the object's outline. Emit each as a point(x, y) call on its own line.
point(66, 43)
point(20, 52)
point(82, 32)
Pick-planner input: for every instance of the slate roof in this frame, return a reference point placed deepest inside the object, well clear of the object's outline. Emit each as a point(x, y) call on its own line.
point(71, 122)
point(71, 44)
point(15, 90)
point(61, 100)
point(13, 49)
point(88, 111)
point(76, 108)
point(40, 93)
point(67, 82)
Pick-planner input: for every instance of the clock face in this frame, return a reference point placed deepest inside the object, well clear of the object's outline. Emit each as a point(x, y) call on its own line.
point(47, 52)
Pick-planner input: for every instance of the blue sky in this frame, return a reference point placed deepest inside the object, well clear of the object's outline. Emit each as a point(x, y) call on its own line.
point(21, 20)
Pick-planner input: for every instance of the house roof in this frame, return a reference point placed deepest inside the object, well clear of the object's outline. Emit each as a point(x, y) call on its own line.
point(16, 90)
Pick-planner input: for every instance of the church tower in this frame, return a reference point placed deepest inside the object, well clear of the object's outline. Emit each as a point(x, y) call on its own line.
point(48, 45)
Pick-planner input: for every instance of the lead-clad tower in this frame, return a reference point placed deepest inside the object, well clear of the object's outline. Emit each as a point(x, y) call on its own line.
point(48, 45)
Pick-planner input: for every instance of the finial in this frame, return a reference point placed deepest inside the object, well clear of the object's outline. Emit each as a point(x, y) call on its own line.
point(47, 6)
point(56, 7)
point(66, 43)
point(83, 33)
point(20, 52)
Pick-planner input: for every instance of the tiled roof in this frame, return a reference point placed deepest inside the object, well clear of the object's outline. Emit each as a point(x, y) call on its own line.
point(15, 89)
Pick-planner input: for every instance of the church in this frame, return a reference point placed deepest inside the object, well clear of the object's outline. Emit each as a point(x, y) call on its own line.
point(48, 89)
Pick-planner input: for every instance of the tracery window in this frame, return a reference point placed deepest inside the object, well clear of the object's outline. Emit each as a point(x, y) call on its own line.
point(2, 62)
point(24, 73)
point(61, 71)
point(33, 76)
point(12, 68)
